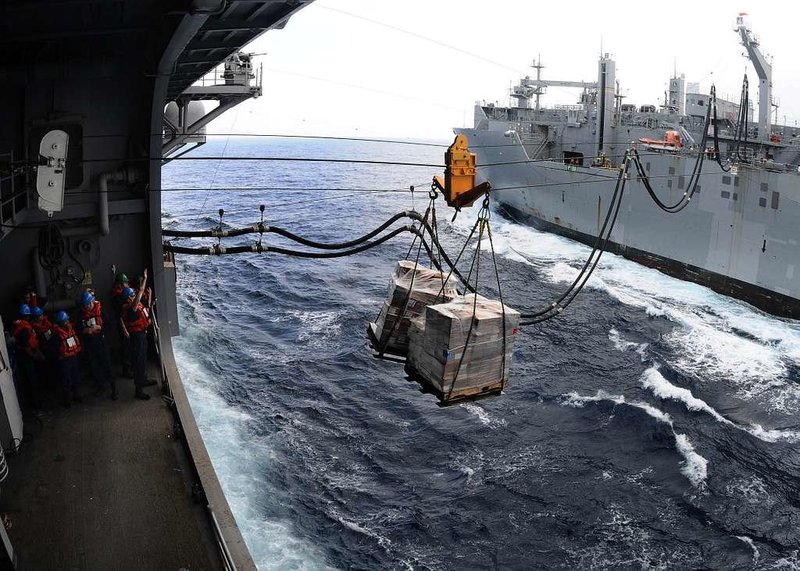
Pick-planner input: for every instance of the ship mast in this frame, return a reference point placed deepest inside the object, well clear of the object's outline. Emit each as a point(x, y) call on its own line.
point(538, 91)
point(764, 71)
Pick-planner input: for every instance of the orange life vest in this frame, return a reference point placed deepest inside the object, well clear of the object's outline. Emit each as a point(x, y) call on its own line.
point(43, 327)
point(21, 325)
point(69, 344)
point(142, 320)
point(92, 316)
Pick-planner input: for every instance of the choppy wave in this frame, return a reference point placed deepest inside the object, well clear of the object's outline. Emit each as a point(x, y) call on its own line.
point(693, 466)
point(652, 379)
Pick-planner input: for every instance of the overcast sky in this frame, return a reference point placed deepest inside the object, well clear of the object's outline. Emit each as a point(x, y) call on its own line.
point(414, 69)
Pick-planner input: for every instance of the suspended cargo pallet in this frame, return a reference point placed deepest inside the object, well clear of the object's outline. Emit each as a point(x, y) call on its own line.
point(411, 290)
point(463, 348)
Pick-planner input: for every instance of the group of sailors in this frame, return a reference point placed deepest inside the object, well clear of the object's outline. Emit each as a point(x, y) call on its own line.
point(54, 349)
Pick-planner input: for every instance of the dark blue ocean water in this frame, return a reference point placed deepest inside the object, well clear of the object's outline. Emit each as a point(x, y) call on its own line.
point(654, 425)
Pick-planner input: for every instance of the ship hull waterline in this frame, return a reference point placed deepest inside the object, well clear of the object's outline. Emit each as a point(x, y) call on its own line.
point(769, 301)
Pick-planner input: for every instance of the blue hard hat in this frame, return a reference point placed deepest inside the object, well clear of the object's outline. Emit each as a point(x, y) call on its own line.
point(62, 317)
point(24, 309)
point(87, 298)
point(128, 291)
point(37, 311)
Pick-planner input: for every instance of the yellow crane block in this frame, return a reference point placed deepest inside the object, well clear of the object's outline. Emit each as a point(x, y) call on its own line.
point(458, 186)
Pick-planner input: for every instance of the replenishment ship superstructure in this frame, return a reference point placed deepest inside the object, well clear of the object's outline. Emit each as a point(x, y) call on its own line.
point(555, 168)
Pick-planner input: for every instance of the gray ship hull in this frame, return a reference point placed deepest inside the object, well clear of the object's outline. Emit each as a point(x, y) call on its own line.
point(738, 235)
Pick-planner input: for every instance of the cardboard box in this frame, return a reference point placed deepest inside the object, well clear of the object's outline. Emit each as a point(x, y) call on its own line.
point(438, 341)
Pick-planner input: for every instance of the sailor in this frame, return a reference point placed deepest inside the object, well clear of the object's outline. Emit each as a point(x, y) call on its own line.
point(30, 298)
point(48, 343)
point(135, 321)
point(69, 347)
point(118, 301)
point(27, 353)
point(92, 328)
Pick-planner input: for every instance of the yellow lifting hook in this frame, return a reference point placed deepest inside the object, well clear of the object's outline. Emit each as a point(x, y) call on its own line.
point(458, 186)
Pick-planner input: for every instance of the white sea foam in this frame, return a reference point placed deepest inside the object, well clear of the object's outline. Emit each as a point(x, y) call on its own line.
point(318, 324)
point(382, 541)
point(752, 490)
point(752, 545)
point(774, 435)
point(718, 338)
point(578, 401)
point(624, 345)
point(271, 542)
point(790, 563)
point(652, 379)
point(694, 467)
point(620, 344)
point(485, 418)
point(468, 464)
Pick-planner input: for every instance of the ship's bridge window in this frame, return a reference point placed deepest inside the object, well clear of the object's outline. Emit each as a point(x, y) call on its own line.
point(764, 187)
point(776, 198)
point(726, 180)
point(725, 194)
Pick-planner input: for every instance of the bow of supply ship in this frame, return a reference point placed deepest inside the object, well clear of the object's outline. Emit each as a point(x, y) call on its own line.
point(96, 96)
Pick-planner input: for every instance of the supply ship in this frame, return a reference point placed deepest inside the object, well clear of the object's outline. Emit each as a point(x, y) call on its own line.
point(556, 168)
point(96, 96)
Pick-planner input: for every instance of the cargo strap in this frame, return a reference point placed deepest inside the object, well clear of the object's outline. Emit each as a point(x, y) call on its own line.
point(482, 225)
point(431, 227)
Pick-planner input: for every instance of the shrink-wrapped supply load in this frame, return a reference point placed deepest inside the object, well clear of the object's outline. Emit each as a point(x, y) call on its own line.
point(390, 330)
point(437, 343)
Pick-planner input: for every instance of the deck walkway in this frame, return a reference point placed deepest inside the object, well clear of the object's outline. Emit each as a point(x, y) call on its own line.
point(105, 485)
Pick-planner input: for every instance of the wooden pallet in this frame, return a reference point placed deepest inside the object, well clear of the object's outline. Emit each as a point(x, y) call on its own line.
point(456, 396)
point(374, 342)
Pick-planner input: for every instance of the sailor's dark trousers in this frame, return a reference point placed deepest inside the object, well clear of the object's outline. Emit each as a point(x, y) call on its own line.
point(69, 374)
point(99, 361)
point(138, 341)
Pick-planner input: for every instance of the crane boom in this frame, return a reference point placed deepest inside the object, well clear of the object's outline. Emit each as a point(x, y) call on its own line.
point(764, 71)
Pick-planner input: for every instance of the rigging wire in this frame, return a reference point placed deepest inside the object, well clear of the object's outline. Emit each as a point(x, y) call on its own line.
point(216, 168)
point(424, 38)
point(482, 223)
point(694, 179)
point(566, 298)
point(265, 159)
point(386, 336)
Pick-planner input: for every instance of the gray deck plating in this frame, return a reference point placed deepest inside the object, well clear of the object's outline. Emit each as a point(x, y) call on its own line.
point(105, 485)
